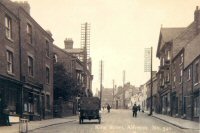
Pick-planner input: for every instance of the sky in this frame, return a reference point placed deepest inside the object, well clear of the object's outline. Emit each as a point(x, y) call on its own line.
point(120, 31)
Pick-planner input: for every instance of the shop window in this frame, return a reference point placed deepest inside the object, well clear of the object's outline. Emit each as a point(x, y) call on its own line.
point(196, 106)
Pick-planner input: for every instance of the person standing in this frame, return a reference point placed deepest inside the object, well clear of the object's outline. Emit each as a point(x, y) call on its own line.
point(139, 108)
point(134, 109)
point(108, 108)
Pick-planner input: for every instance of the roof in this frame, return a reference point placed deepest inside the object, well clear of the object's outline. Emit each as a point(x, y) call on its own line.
point(192, 51)
point(167, 35)
point(184, 38)
point(74, 50)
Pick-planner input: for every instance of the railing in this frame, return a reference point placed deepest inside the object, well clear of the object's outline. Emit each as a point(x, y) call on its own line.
point(23, 126)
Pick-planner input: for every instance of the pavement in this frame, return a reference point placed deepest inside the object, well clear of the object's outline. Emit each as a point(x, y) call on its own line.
point(34, 125)
point(178, 122)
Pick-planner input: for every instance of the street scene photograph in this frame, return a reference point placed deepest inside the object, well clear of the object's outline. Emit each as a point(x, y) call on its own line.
point(99, 66)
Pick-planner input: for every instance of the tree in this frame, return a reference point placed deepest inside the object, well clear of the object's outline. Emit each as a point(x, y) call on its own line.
point(64, 83)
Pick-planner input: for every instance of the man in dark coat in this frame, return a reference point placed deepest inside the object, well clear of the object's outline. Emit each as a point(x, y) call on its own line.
point(108, 108)
point(134, 109)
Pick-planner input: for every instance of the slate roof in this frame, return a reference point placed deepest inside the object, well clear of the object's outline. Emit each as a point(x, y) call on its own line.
point(192, 51)
point(184, 38)
point(167, 35)
point(74, 50)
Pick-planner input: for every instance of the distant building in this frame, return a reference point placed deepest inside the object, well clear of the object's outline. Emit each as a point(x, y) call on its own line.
point(143, 89)
point(129, 91)
point(107, 96)
point(79, 53)
point(155, 95)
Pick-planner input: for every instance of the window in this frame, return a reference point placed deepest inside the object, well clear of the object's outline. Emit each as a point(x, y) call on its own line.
point(29, 33)
point(48, 101)
point(174, 81)
point(9, 56)
point(47, 48)
point(181, 58)
point(8, 25)
point(196, 80)
point(163, 61)
point(181, 76)
point(189, 74)
point(168, 55)
point(167, 77)
point(47, 75)
point(174, 77)
point(55, 58)
point(196, 106)
point(30, 66)
point(163, 81)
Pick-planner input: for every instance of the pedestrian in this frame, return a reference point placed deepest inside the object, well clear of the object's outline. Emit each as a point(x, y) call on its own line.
point(134, 109)
point(139, 108)
point(108, 108)
point(6, 113)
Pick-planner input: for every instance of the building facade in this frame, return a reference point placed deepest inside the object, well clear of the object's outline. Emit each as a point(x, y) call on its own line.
point(107, 97)
point(87, 67)
point(178, 51)
point(155, 101)
point(27, 55)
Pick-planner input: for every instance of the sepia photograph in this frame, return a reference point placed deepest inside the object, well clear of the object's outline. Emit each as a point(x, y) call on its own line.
point(99, 66)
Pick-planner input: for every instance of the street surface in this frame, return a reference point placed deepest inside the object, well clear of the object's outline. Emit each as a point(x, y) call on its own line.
point(118, 121)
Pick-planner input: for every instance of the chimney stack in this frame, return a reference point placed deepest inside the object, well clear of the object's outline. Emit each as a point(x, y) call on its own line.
point(68, 43)
point(197, 19)
point(25, 5)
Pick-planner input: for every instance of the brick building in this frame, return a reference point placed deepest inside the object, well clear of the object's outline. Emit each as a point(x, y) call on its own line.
point(191, 78)
point(72, 65)
point(155, 96)
point(87, 68)
point(10, 84)
point(26, 57)
point(179, 50)
point(164, 53)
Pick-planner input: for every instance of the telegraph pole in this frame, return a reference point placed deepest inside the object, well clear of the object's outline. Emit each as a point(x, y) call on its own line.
point(101, 79)
point(124, 89)
point(148, 68)
point(151, 83)
point(113, 92)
